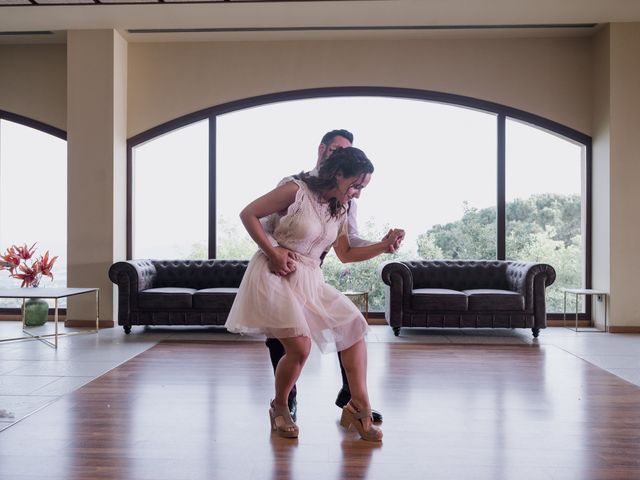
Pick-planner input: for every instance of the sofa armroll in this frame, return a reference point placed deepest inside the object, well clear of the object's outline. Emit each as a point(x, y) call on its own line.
point(530, 280)
point(398, 282)
point(132, 277)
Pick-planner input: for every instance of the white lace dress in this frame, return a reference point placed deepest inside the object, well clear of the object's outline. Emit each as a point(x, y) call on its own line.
point(301, 303)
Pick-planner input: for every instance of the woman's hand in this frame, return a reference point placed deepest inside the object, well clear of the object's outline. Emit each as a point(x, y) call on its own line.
point(393, 239)
point(282, 261)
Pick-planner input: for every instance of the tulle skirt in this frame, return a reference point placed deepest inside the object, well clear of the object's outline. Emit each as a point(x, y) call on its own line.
point(299, 304)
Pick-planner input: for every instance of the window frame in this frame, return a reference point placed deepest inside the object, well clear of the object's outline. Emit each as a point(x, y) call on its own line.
point(502, 112)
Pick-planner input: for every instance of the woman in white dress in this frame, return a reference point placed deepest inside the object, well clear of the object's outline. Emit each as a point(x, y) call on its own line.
point(283, 293)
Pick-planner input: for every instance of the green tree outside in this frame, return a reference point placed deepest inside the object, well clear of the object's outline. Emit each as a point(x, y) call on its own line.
point(542, 228)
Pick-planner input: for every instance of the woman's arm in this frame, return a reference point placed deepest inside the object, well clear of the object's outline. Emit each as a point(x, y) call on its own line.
point(346, 253)
point(276, 200)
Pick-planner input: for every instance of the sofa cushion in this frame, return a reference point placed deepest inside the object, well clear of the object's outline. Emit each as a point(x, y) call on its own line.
point(438, 299)
point(166, 297)
point(459, 274)
point(199, 274)
point(487, 300)
point(215, 299)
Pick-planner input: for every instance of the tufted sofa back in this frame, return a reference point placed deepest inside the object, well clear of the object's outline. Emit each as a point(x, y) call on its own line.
point(199, 274)
point(459, 274)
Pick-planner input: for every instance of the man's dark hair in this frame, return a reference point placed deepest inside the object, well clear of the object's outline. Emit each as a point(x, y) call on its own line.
point(348, 162)
point(326, 140)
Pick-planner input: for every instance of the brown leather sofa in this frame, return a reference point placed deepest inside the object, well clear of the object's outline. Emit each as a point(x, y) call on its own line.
point(176, 292)
point(466, 293)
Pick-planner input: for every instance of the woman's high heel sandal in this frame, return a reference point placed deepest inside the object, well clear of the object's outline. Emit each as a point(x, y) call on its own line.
point(351, 416)
point(285, 428)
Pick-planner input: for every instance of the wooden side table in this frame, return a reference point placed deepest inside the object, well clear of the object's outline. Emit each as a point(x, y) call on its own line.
point(586, 292)
point(360, 300)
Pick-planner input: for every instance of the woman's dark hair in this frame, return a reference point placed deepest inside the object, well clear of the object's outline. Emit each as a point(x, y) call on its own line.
point(348, 162)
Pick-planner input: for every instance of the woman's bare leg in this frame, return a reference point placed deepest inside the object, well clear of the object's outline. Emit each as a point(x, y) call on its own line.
point(289, 367)
point(354, 360)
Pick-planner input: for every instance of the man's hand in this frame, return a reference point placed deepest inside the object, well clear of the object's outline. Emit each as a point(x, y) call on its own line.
point(393, 239)
point(282, 262)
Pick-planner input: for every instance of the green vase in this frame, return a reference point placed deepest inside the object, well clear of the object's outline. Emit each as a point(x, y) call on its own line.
point(36, 311)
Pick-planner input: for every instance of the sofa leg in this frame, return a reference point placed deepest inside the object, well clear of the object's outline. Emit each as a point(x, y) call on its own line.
point(536, 332)
point(396, 331)
point(127, 329)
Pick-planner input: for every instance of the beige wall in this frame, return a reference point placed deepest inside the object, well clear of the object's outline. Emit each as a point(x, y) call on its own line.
point(33, 82)
point(625, 172)
point(549, 77)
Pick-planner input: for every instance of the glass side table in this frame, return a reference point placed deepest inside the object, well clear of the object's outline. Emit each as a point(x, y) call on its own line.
point(49, 293)
point(360, 300)
point(585, 292)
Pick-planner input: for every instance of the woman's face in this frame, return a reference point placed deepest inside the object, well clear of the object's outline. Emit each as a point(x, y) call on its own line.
point(349, 187)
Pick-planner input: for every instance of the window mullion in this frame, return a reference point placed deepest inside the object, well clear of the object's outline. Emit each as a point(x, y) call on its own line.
point(501, 192)
point(212, 187)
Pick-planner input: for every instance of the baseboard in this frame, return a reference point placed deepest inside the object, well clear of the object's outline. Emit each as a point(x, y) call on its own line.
point(551, 323)
point(569, 323)
point(9, 317)
point(624, 329)
point(88, 323)
point(378, 319)
point(599, 325)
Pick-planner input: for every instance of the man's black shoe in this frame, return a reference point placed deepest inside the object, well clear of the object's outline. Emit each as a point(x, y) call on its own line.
point(343, 398)
point(376, 416)
point(293, 408)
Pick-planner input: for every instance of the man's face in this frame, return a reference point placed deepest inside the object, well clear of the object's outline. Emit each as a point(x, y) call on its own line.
point(325, 151)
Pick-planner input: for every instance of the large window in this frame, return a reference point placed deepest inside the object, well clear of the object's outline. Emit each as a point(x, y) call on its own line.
point(33, 197)
point(170, 194)
point(439, 174)
point(433, 163)
point(544, 192)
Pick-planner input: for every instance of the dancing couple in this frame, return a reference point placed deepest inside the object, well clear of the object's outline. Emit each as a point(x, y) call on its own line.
point(283, 294)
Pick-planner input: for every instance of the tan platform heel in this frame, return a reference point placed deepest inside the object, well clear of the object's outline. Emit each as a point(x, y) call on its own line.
point(282, 412)
point(350, 416)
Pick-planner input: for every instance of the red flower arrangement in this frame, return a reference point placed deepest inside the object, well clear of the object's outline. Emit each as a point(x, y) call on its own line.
point(21, 264)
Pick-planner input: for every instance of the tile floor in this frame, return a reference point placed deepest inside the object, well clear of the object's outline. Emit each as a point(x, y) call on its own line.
point(34, 375)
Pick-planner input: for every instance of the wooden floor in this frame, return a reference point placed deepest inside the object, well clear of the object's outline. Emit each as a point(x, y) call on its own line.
point(189, 410)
